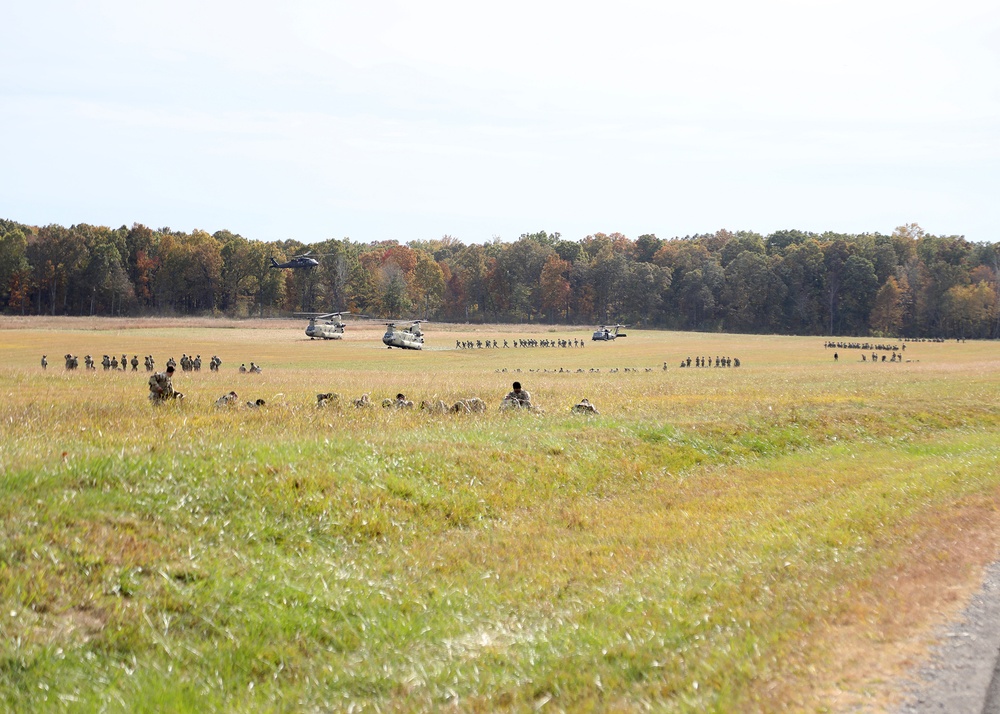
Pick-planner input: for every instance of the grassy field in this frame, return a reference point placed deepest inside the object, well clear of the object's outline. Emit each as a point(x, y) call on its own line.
point(781, 535)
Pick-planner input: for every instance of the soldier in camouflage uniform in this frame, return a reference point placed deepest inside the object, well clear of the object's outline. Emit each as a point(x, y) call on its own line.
point(227, 400)
point(161, 387)
point(135, 363)
point(45, 362)
point(517, 398)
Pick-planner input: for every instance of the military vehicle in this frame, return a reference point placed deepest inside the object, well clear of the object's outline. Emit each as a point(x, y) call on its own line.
point(332, 329)
point(298, 261)
point(407, 338)
point(608, 333)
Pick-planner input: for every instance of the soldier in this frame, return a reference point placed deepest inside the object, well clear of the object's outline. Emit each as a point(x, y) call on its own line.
point(326, 398)
point(45, 363)
point(197, 363)
point(256, 404)
point(161, 387)
point(106, 363)
point(135, 363)
point(400, 402)
point(88, 361)
point(226, 400)
point(584, 407)
point(437, 407)
point(114, 363)
point(243, 369)
point(518, 398)
point(124, 362)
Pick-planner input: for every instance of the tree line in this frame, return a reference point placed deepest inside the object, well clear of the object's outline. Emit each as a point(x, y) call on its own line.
point(907, 284)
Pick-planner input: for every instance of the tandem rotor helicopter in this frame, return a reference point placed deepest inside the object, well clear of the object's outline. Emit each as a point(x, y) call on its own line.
point(608, 333)
point(407, 338)
point(332, 329)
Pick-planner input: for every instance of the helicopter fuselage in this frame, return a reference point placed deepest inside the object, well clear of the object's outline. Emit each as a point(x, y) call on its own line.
point(605, 334)
point(404, 339)
point(328, 331)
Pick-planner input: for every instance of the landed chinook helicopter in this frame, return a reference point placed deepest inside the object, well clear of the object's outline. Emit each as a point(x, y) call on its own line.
point(332, 329)
point(298, 261)
point(608, 333)
point(407, 338)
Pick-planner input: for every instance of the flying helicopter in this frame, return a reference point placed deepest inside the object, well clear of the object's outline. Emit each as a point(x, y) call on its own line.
point(298, 261)
point(407, 338)
point(332, 329)
point(608, 333)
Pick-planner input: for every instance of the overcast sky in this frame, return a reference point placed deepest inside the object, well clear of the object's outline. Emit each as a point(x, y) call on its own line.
point(412, 120)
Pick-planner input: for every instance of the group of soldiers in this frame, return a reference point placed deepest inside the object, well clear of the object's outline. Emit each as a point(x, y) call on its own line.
point(111, 362)
point(863, 346)
point(492, 344)
point(517, 398)
point(708, 362)
point(161, 390)
point(895, 358)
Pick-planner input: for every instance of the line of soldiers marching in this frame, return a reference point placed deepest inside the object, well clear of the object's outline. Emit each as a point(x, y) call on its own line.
point(492, 344)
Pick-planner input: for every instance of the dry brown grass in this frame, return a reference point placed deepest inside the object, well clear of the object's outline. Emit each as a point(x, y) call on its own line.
point(685, 474)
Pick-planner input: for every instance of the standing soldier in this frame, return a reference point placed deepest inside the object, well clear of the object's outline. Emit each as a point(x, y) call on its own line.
point(45, 362)
point(89, 362)
point(161, 387)
point(135, 363)
point(106, 363)
point(197, 363)
point(124, 362)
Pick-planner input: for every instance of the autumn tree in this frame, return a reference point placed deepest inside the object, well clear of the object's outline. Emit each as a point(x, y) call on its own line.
point(554, 284)
point(887, 310)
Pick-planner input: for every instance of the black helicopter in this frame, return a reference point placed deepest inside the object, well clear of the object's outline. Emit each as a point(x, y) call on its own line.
point(299, 261)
